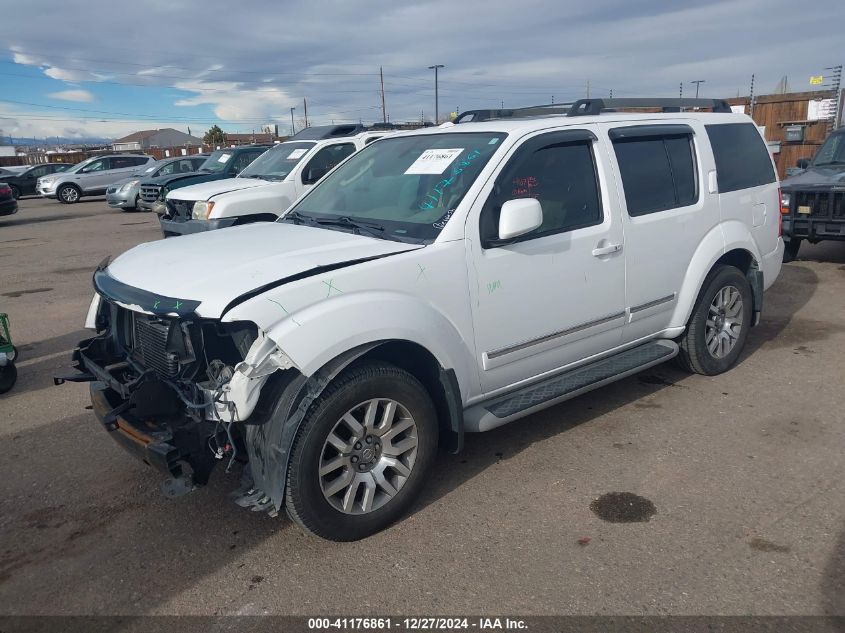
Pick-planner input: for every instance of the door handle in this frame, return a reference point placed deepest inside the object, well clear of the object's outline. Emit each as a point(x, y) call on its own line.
point(606, 250)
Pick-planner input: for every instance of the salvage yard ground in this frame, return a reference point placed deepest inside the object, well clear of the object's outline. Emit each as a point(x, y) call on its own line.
point(741, 480)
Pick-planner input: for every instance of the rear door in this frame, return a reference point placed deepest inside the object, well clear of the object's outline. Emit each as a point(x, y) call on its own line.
point(667, 213)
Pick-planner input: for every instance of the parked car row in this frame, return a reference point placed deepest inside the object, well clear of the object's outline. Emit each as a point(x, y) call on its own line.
point(435, 282)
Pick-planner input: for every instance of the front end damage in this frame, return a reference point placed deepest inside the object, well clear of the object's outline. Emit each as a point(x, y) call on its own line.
point(179, 391)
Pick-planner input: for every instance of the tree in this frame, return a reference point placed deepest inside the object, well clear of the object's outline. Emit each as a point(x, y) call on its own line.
point(214, 136)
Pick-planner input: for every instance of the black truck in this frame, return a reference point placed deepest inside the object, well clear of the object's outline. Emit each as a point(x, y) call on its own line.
point(813, 202)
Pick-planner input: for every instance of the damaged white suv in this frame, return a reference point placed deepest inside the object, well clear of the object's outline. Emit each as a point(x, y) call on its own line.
point(437, 282)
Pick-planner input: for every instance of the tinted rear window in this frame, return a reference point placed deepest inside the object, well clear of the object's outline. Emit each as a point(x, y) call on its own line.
point(742, 160)
point(658, 172)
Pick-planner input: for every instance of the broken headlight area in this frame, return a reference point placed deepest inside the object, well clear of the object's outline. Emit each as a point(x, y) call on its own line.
point(161, 384)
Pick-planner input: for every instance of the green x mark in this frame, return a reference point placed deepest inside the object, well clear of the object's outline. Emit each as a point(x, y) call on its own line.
point(421, 274)
point(178, 305)
point(331, 287)
point(284, 310)
point(156, 303)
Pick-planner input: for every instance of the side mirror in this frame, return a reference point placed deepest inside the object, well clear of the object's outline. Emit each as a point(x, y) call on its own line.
point(802, 163)
point(519, 217)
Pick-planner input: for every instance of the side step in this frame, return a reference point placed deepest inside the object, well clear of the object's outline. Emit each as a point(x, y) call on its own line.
point(568, 385)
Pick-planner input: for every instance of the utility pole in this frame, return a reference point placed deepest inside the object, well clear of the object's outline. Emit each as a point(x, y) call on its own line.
point(292, 127)
point(835, 85)
point(553, 99)
point(436, 67)
point(305, 108)
point(588, 89)
point(697, 83)
point(681, 90)
point(611, 93)
point(751, 99)
point(383, 110)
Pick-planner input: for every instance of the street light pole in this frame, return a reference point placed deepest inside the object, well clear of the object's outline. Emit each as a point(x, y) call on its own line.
point(292, 128)
point(436, 93)
point(697, 83)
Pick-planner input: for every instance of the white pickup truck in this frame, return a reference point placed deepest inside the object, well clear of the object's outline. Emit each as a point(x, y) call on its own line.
point(438, 282)
point(265, 189)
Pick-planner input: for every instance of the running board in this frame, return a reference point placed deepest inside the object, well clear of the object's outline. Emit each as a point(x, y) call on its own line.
point(564, 386)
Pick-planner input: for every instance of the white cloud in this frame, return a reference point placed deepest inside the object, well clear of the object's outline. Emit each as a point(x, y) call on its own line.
point(72, 95)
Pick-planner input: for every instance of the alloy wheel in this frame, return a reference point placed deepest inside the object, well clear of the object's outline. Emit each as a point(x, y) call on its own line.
point(368, 456)
point(724, 322)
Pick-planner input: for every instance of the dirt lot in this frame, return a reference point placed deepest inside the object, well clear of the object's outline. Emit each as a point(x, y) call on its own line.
point(745, 471)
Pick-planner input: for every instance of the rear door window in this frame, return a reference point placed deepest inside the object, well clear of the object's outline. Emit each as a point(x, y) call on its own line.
point(742, 159)
point(657, 166)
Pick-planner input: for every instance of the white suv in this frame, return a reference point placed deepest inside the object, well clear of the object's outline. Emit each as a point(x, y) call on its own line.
point(91, 177)
point(265, 189)
point(437, 282)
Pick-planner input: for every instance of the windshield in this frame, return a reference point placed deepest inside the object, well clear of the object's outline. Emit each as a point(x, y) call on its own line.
point(217, 161)
point(409, 186)
point(278, 162)
point(832, 152)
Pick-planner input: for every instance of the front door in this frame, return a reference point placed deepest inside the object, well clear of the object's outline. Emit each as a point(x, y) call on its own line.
point(556, 295)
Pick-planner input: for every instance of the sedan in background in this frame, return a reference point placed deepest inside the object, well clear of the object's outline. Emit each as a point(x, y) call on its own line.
point(23, 182)
point(124, 193)
point(8, 204)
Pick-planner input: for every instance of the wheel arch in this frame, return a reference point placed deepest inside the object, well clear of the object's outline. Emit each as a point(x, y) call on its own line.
point(729, 243)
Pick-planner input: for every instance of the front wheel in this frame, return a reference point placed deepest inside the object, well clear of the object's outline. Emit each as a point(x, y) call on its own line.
point(719, 324)
point(68, 194)
point(362, 453)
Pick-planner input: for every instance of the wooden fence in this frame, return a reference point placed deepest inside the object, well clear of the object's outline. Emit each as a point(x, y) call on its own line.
point(781, 111)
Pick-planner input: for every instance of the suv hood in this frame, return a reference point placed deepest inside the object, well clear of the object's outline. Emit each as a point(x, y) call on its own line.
point(216, 267)
point(817, 176)
point(205, 190)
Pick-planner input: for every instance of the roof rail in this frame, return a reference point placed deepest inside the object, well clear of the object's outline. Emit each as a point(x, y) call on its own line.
point(513, 113)
point(319, 132)
point(585, 107)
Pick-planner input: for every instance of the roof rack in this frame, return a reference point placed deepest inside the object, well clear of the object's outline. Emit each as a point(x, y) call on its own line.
point(513, 113)
point(586, 107)
point(319, 132)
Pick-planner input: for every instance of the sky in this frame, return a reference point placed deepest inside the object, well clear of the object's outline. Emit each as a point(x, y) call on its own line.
point(106, 69)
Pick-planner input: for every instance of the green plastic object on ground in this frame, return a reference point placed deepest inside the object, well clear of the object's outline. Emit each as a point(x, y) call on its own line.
point(8, 355)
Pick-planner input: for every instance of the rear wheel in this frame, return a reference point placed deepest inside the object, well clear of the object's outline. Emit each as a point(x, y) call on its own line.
point(362, 453)
point(69, 194)
point(16, 193)
point(719, 324)
point(790, 249)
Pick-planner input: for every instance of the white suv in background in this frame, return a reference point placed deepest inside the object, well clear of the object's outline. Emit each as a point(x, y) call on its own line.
point(437, 282)
point(265, 189)
point(91, 177)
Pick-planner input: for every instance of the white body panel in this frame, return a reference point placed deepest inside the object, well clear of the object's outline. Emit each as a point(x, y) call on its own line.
point(500, 317)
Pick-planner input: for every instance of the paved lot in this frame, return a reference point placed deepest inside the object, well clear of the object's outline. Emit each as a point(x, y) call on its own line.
point(746, 473)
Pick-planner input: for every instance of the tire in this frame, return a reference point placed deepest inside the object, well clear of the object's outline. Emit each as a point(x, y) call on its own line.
point(68, 194)
point(310, 497)
point(131, 209)
point(725, 285)
point(790, 251)
point(14, 355)
point(16, 193)
point(8, 377)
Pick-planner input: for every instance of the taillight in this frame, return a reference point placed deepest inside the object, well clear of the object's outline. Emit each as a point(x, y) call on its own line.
point(784, 210)
point(5, 191)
